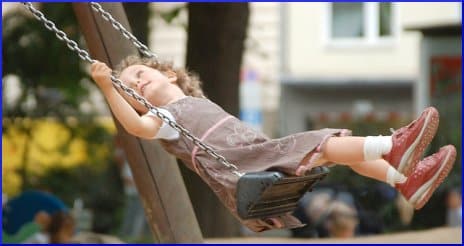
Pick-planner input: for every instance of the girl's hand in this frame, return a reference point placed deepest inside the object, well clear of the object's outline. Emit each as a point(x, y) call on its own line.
point(101, 73)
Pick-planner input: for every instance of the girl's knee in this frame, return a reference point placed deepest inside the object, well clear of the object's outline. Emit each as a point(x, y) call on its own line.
point(325, 145)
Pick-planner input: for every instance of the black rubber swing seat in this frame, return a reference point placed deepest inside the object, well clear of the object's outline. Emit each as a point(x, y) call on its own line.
point(269, 194)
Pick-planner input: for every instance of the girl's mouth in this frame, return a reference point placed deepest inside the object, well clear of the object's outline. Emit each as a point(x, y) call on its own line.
point(142, 88)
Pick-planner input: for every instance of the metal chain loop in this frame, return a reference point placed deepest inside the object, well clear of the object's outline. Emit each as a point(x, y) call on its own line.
point(118, 26)
point(72, 45)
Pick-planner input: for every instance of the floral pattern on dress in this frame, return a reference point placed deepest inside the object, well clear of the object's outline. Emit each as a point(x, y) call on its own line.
point(242, 136)
point(285, 145)
point(248, 149)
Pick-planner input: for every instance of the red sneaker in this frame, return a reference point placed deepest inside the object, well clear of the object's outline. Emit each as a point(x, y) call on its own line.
point(427, 176)
point(409, 142)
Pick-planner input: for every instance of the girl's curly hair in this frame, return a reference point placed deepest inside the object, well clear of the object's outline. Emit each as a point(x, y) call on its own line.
point(188, 82)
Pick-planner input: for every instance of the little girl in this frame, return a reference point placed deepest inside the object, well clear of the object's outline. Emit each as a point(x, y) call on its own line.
point(392, 159)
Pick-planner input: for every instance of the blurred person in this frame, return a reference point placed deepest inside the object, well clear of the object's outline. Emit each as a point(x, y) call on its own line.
point(44, 229)
point(177, 93)
point(314, 210)
point(36, 216)
point(310, 209)
point(61, 228)
point(33, 231)
point(342, 220)
point(454, 208)
point(24, 208)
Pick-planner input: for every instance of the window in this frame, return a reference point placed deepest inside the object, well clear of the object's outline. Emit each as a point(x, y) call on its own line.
point(361, 23)
point(347, 20)
point(385, 19)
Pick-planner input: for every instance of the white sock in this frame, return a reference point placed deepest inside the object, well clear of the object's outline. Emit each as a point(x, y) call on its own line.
point(375, 147)
point(394, 177)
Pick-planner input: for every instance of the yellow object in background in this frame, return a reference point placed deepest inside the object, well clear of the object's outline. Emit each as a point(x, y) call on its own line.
point(40, 144)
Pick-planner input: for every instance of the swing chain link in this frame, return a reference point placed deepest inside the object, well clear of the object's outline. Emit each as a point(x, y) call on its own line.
point(118, 26)
point(72, 45)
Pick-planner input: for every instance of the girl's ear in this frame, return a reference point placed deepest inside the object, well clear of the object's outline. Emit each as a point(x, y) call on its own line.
point(172, 76)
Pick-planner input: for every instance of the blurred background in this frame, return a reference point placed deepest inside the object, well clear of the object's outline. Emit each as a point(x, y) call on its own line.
point(368, 67)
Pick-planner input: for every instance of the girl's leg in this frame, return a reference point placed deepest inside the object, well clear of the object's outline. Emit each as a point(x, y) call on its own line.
point(372, 169)
point(348, 150)
point(344, 149)
point(356, 149)
point(402, 150)
point(377, 169)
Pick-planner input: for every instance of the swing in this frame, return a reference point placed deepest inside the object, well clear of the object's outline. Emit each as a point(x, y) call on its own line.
point(259, 195)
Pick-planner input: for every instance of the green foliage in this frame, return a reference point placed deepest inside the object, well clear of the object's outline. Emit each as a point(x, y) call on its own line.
point(54, 77)
point(47, 69)
point(172, 14)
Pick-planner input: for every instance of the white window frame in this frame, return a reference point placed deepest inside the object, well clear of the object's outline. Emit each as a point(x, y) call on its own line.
point(371, 36)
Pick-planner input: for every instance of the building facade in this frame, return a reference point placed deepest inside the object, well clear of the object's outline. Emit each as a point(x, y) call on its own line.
point(342, 62)
point(313, 65)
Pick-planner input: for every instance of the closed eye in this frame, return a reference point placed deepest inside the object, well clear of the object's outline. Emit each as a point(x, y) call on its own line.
point(137, 75)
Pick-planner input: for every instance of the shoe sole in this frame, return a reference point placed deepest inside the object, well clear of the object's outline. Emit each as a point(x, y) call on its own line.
point(423, 194)
point(414, 153)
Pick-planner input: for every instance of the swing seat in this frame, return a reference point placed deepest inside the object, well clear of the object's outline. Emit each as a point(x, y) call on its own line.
point(269, 193)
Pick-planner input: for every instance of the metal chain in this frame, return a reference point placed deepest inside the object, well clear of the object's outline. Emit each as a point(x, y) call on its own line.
point(72, 45)
point(118, 26)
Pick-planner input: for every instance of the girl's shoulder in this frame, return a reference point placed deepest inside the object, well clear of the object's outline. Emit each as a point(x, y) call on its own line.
point(193, 104)
point(187, 100)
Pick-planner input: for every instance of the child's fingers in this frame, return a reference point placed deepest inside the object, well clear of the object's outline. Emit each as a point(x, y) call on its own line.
point(103, 67)
point(93, 67)
point(100, 70)
point(97, 62)
point(105, 70)
point(97, 66)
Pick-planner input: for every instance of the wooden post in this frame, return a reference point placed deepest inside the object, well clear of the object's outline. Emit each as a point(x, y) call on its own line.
point(156, 174)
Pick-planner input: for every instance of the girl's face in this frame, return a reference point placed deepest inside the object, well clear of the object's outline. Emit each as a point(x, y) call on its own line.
point(147, 82)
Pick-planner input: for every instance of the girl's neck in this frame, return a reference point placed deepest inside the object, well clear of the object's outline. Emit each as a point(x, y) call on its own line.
point(169, 96)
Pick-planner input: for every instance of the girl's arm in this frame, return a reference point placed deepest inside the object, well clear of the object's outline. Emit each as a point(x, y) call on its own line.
point(140, 126)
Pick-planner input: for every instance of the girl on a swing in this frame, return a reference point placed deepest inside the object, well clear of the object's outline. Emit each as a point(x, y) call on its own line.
point(391, 159)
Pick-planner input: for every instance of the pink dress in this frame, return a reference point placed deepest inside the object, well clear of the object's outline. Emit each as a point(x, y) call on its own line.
point(240, 144)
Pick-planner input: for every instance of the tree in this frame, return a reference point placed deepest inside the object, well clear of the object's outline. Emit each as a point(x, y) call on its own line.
point(48, 72)
point(138, 15)
point(53, 84)
point(216, 35)
point(50, 76)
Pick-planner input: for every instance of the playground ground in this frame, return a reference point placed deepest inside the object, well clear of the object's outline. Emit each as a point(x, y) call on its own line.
point(444, 235)
point(437, 235)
